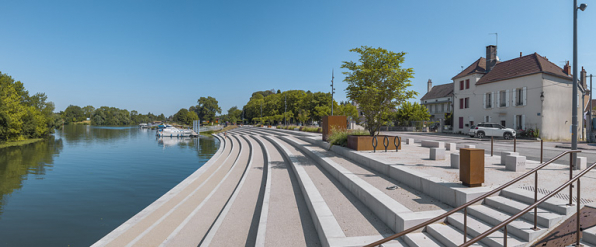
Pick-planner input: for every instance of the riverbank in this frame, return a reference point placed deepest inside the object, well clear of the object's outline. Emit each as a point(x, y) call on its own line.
point(19, 143)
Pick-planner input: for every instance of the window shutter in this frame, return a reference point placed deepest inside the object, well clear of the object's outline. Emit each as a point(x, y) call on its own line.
point(514, 99)
point(523, 122)
point(490, 119)
point(525, 95)
point(507, 98)
point(484, 102)
point(515, 122)
point(461, 103)
point(498, 99)
point(492, 100)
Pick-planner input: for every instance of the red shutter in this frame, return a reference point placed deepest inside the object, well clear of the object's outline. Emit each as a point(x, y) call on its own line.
point(461, 85)
point(461, 122)
point(467, 83)
point(461, 103)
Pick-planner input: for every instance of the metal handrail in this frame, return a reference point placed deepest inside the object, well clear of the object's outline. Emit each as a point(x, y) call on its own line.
point(465, 206)
point(514, 217)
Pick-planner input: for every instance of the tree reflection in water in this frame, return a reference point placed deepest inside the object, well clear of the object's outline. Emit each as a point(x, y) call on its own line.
point(16, 163)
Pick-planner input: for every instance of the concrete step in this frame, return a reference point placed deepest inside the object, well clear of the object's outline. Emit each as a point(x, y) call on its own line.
point(519, 228)
point(545, 218)
point(421, 239)
point(589, 235)
point(448, 235)
point(555, 205)
point(477, 227)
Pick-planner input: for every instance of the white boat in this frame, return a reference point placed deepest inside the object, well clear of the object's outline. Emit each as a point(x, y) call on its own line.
point(174, 132)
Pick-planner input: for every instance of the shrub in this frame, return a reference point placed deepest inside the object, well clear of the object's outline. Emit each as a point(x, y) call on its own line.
point(341, 137)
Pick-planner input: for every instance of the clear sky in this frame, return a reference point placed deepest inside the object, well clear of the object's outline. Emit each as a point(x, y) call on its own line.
point(160, 56)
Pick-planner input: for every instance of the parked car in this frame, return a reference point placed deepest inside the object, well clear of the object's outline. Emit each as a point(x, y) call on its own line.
point(491, 129)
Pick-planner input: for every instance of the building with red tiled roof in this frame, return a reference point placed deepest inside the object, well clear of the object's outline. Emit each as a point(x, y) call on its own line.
point(438, 100)
point(528, 92)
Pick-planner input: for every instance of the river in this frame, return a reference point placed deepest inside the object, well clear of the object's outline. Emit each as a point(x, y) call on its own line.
point(84, 181)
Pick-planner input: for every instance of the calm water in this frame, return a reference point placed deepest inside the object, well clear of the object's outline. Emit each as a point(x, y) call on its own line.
point(79, 185)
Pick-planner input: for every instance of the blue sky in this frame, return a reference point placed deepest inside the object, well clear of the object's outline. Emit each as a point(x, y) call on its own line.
point(160, 56)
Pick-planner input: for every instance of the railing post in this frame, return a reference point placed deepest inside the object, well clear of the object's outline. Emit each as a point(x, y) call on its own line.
point(541, 148)
point(491, 145)
point(535, 200)
point(505, 236)
point(515, 143)
point(570, 177)
point(577, 214)
point(465, 224)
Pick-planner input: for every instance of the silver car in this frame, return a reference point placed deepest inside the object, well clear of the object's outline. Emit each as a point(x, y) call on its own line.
point(491, 129)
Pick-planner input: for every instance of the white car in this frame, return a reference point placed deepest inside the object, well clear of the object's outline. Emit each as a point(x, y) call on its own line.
point(491, 129)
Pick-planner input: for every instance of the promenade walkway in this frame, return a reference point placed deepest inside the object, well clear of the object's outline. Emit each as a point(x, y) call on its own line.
point(268, 187)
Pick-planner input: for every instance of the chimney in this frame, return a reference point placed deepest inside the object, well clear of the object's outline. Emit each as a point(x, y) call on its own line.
point(520, 54)
point(491, 57)
point(582, 77)
point(429, 86)
point(567, 69)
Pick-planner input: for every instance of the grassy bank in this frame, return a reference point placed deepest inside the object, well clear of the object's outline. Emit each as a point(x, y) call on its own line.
point(19, 143)
point(208, 133)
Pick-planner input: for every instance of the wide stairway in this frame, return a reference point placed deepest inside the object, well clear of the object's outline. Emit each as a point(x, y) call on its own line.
point(268, 187)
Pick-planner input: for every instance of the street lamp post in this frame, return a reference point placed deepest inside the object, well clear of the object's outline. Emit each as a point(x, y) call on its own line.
point(332, 92)
point(285, 109)
point(582, 7)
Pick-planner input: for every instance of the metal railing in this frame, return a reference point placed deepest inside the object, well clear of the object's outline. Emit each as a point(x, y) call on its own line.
point(472, 202)
point(535, 205)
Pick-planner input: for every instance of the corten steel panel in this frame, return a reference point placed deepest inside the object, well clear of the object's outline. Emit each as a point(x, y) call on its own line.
point(333, 123)
point(364, 143)
point(471, 166)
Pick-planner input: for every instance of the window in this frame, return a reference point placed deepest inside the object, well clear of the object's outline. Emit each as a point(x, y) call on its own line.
point(461, 85)
point(461, 103)
point(488, 100)
point(466, 105)
point(471, 123)
point(520, 96)
point(503, 123)
point(503, 101)
point(519, 121)
point(430, 108)
point(461, 122)
point(467, 83)
point(442, 108)
point(487, 119)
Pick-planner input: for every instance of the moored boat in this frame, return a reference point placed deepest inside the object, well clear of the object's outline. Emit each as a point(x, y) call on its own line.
point(174, 132)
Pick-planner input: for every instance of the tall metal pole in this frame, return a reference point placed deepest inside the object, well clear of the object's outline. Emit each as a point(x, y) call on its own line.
point(590, 114)
point(332, 91)
point(286, 109)
point(574, 96)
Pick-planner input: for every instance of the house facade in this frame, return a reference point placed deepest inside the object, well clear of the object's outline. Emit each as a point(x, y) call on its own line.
point(438, 100)
point(524, 93)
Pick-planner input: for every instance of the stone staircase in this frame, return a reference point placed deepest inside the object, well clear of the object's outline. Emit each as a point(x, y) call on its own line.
point(288, 188)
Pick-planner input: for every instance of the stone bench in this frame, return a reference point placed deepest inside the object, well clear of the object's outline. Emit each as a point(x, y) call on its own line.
point(580, 163)
point(433, 144)
point(437, 153)
point(515, 163)
point(410, 141)
point(505, 154)
point(455, 160)
point(450, 146)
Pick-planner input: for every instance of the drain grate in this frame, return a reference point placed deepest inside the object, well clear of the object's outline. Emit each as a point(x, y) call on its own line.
point(558, 195)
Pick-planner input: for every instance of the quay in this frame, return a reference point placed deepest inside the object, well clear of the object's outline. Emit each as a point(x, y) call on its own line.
point(271, 187)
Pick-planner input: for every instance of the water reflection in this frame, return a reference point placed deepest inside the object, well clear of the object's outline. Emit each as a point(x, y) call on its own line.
point(103, 134)
point(16, 163)
point(204, 145)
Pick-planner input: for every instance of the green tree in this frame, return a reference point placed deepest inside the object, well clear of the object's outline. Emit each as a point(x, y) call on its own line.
point(181, 116)
point(234, 114)
point(73, 113)
point(411, 112)
point(303, 116)
point(378, 83)
point(88, 111)
point(348, 110)
point(207, 108)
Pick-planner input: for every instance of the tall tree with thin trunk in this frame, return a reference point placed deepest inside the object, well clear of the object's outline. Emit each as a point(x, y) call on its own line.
point(378, 83)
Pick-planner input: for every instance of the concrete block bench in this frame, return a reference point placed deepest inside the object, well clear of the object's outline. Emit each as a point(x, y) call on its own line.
point(437, 153)
point(433, 144)
point(505, 154)
point(455, 160)
point(450, 146)
point(469, 146)
point(580, 163)
point(515, 163)
point(410, 141)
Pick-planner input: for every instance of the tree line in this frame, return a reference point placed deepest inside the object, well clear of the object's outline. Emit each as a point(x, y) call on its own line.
point(22, 115)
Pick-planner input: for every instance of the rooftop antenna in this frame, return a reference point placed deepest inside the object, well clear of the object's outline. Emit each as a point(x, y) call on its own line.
point(497, 38)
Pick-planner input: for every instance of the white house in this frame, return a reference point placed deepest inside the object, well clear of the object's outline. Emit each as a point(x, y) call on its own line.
point(521, 93)
point(438, 100)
